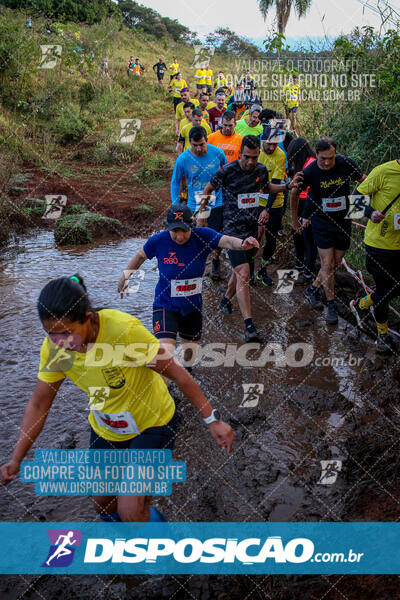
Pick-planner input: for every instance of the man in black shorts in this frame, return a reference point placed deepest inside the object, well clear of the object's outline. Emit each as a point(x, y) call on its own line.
point(242, 181)
point(159, 68)
point(327, 206)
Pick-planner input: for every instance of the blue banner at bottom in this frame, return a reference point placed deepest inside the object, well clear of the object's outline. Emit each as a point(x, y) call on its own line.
point(200, 548)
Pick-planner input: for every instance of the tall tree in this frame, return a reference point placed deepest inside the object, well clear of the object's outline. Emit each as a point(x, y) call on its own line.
point(283, 8)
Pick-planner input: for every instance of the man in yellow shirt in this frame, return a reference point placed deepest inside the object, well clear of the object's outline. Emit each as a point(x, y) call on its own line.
point(209, 78)
point(179, 114)
point(176, 85)
point(292, 99)
point(174, 69)
point(382, 244)
point(197, 119)
point(221, 82)
point(271, 205)
point(201, 79)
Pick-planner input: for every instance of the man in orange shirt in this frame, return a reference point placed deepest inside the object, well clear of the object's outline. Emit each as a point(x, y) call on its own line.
point(227, 139)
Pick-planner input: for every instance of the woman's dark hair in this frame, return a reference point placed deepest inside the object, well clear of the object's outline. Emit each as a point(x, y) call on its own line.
point(324, 144)
point(250, 141)
point(64, 298)
point(297, 153)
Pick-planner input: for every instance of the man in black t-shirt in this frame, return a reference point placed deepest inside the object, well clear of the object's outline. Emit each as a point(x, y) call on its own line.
point(159, 68)
point(242, 181)
point(327, 206)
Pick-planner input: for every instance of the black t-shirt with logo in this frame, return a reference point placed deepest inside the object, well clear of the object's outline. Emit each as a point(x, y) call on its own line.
point(328, 197)
point(240, 197)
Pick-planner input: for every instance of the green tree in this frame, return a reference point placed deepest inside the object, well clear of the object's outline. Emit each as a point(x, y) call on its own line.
point(283, 9)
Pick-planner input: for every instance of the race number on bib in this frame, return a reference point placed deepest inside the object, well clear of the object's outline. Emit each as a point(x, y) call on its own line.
point(121, 423)
point(396, 221)
point(334, 204)
point(248, 200)
point(186, 287)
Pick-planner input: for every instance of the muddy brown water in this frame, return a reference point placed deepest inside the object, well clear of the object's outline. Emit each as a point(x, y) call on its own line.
point(304, 414)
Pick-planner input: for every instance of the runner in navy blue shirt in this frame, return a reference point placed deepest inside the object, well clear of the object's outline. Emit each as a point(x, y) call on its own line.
point(181, 251)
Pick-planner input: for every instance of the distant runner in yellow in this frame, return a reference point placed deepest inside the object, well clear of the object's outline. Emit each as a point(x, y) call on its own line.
point(173, 69)
point(209, 78)
point(221, 82)
point(179, 113)
point(201, 79)
point(292, 99)
point(197, 119)
point(176, 85)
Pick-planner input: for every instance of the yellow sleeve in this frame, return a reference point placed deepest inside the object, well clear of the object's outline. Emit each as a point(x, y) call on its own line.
point(54, 361)
point(371, 184)
point(179, 114)
point(141, 345)
point(207, 128)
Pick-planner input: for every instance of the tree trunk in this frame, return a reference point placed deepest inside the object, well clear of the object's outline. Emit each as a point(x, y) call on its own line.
point(283, 13)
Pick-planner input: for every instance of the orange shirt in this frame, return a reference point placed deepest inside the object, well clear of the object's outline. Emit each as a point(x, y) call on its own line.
point(229, 144)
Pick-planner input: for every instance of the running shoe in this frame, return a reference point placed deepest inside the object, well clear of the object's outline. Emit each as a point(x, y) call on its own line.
point(251, 334)
point(384, 344)
point(226, 306)
point(313, 296)
point(303, 279)
point(358, 312)
point(331, 314)
point(264, 278)
point(215, 269)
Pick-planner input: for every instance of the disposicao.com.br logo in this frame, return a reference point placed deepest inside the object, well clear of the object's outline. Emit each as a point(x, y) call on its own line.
point(191, 550)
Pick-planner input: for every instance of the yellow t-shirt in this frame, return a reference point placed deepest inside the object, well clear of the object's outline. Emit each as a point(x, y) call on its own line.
point(184, 132)
point(174, 68)
point(120, 396)
point(179, 114)
point(276, 165)
point(221, 83)
point(177, 86)
point(201, 75)
point(292, 93)
point(383, 185)
point(183, 123)
point(209, 76)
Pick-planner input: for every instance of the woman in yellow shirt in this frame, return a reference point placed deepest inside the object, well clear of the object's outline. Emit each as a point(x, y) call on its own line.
point(176, 86)
point(113, 358)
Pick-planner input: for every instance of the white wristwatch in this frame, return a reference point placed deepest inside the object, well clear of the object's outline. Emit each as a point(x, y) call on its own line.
point(215, 416)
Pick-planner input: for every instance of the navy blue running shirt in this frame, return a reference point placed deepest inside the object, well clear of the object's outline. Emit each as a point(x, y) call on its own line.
point(181, 267)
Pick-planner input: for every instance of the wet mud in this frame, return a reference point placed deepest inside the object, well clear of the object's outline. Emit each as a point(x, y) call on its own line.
point(343, 405)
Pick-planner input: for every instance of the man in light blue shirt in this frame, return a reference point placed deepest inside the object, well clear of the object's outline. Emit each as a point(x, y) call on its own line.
point(198, 164)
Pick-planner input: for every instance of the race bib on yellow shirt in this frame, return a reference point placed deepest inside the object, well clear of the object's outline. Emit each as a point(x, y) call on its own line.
point(334, 204)
point(121, 423)
point(396, 224)
point(186, 287)
point(263, 199)
point(248, 200)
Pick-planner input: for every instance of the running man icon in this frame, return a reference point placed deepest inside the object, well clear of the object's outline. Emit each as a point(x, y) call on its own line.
point(61, 552)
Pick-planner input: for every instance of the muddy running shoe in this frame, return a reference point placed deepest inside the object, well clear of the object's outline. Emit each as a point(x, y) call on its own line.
point(384, 344)
point(303, 279)
point(264, 278)
point(226, 306)
point(313, 296)
point(331, 314)
point(215, 269)
point(358, 312)
point(251, 334)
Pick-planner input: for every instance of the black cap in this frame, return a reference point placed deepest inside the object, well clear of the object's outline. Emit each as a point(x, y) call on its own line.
point(179, 216)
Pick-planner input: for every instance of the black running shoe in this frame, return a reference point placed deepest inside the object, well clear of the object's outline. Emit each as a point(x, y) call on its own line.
point(331, 314)
point(384, 344)
point(251, 334)
point(226, 306)
point(313, 296)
